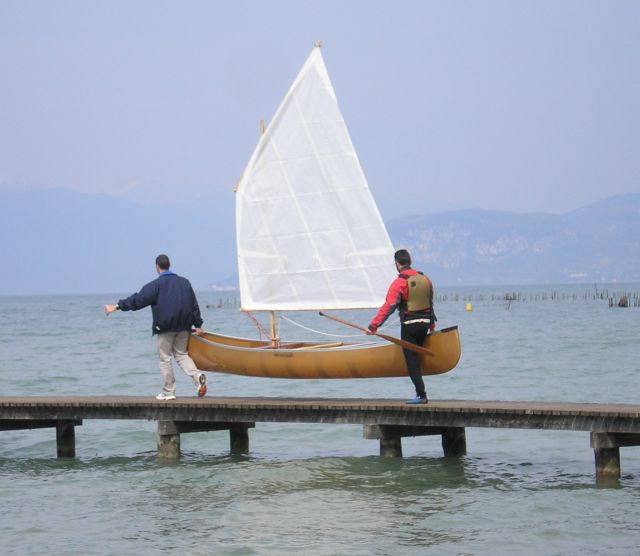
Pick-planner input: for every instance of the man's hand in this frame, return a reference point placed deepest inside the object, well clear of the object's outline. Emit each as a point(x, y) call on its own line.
point(371, 330)
point(108, 309)
point(198, 332)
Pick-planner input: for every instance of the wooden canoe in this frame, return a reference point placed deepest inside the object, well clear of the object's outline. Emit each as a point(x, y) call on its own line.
point(241, 356)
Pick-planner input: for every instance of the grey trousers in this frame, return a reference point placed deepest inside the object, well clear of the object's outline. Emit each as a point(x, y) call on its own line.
point(174, 344)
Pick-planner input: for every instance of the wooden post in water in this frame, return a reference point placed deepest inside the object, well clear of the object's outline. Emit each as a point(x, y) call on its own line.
point(66, 439)
point(454, 441)
point(239, 439)
point(391, 446)
point(606, 447)
point(607, 463)
point(390, 438)
point(169, 446)
point(168, 440)
point(607, 454)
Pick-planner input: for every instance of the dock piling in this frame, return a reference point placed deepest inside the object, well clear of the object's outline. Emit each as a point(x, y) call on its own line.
point(239, 439)
point(169, 446)
point(454, 442)
point(606, 447)
point(391, 447)
point(66, 438)
point(607, 463)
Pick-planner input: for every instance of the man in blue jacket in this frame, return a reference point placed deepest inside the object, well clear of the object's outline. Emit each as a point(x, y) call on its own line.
point(175, 311)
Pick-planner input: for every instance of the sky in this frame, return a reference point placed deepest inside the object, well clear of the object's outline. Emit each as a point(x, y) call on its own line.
point(524, 106)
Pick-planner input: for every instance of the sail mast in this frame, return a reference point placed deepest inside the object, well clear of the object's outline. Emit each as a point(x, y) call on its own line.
point(275, 341)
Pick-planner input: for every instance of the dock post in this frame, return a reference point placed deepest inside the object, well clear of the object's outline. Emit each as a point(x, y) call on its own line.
point(454, 441)
point(390, 438)
point(66, 438)
point(391, 446)
point(239, 439)
point(607, 463)
point(168, 440)
point(606, 448)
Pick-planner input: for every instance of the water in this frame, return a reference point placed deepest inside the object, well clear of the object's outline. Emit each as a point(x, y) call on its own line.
point(312, 488)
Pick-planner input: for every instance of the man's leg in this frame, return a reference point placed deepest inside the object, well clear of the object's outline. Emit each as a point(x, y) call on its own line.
point(165, 350)
point(186, 363)
point(414, 333)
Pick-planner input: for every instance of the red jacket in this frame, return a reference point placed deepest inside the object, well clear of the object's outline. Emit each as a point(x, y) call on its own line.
point(397, 298)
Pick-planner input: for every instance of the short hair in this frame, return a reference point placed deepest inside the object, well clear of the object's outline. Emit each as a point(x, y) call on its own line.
point(163, 262)
point(402, 257)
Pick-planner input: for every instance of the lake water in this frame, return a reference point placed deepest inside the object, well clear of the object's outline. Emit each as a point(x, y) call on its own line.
point(322, 489)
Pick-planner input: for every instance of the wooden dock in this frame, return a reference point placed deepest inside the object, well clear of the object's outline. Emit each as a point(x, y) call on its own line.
point(611, 426)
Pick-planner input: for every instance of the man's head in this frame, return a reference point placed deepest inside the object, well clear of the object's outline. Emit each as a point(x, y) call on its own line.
point(162, 263)
point(402, 258)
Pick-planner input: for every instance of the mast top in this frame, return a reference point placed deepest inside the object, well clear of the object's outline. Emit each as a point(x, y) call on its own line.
point(318, 44)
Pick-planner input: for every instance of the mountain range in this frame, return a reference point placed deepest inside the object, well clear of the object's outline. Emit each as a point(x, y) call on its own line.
point(59, 241)
point(596, 243)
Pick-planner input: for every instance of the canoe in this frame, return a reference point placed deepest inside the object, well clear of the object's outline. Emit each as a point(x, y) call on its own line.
point(256, 358)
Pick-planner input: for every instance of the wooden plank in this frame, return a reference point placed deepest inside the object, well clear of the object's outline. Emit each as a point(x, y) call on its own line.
point(374, 432)
point(27, 424)
point(179, 427)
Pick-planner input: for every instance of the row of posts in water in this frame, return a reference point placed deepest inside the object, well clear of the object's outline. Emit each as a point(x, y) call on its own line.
point(613, 298)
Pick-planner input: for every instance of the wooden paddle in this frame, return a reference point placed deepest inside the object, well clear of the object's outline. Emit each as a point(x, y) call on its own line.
point(392, 339)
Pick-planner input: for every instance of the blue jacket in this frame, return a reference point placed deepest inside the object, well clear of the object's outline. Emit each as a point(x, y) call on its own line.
point(173, 303)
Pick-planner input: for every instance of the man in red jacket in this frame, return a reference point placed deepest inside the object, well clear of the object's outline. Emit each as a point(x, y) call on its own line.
point(412, 294)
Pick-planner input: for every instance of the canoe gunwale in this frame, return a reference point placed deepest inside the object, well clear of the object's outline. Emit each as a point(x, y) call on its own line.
point(261, 345)
point(264, 346)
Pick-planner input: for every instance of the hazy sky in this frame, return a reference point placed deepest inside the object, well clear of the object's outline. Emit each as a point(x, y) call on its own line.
point(522, 106)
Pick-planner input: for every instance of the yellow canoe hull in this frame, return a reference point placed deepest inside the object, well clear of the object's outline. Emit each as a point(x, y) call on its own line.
point(240, 356)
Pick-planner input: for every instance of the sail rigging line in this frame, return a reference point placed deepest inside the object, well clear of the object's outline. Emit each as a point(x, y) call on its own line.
point(398, 341)
point(327, 333)
point(320, 332)
point(261, 329)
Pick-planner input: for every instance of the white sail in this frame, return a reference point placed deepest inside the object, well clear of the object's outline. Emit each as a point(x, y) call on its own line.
point(309, 234)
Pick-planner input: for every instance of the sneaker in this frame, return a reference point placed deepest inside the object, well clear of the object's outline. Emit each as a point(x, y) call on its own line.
point(165, 397)
point(202, 385)
point(417, 400)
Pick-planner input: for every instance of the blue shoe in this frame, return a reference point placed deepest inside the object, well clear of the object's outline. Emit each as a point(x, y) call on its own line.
point(417, 400)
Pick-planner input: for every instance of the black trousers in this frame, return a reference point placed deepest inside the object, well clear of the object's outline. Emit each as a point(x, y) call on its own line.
point(416, 334)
